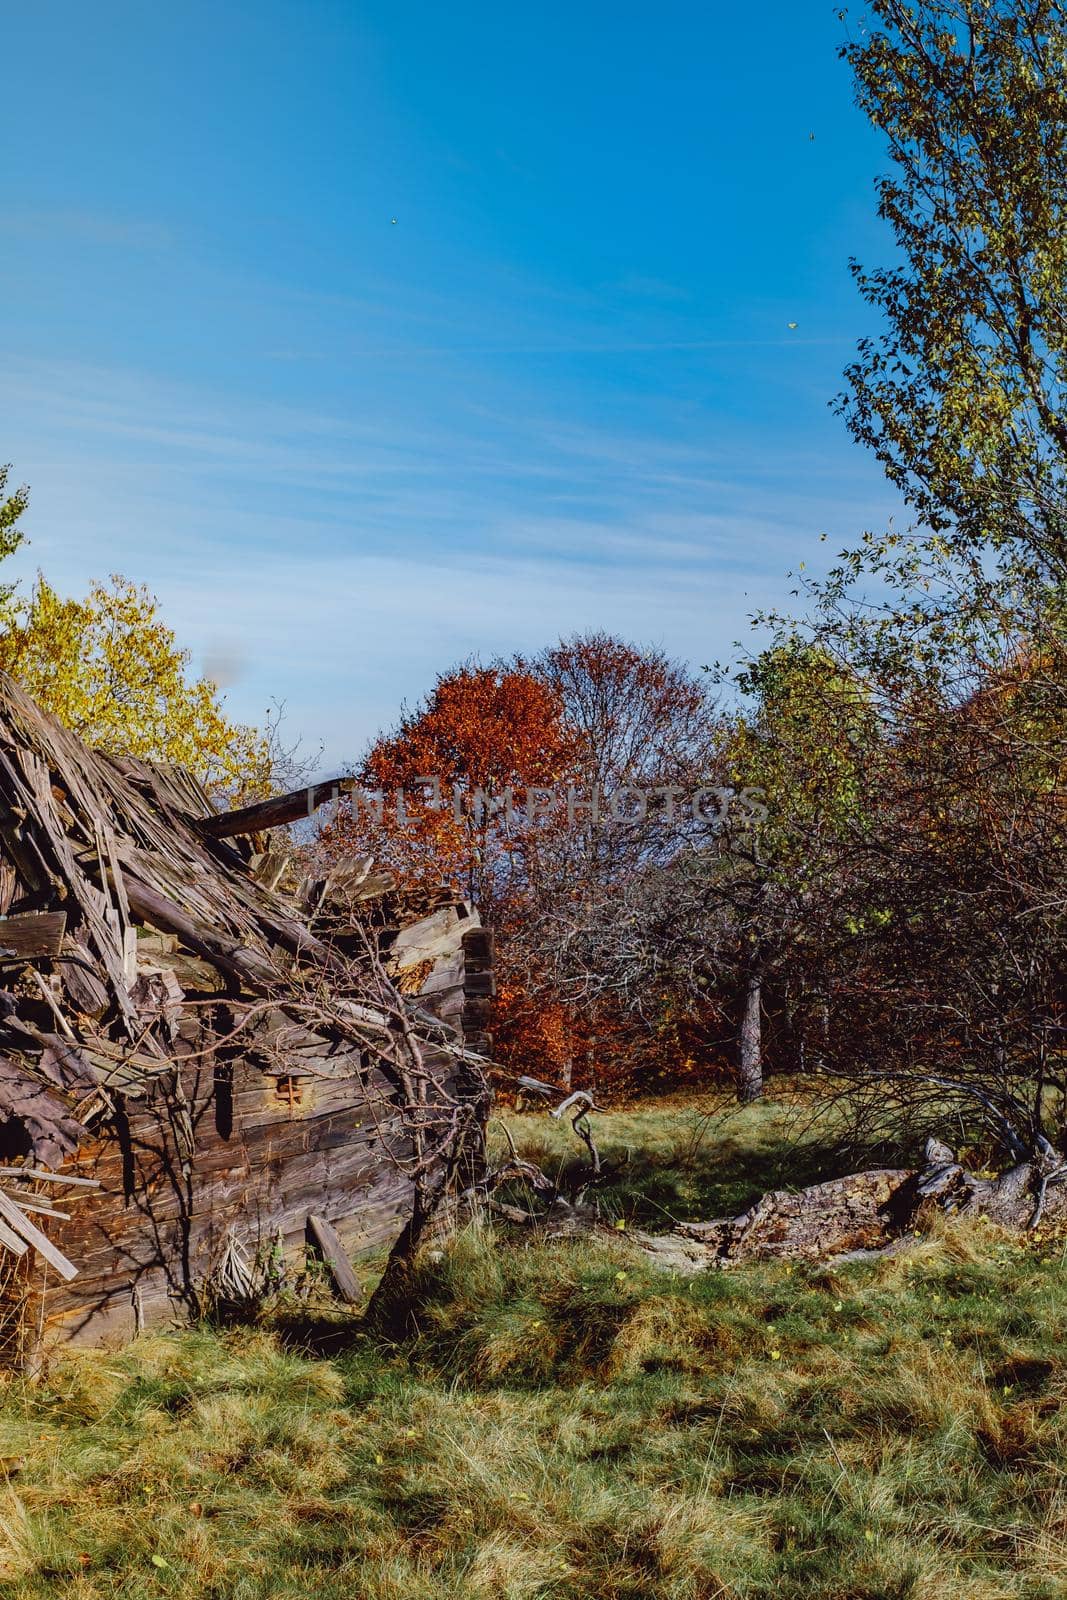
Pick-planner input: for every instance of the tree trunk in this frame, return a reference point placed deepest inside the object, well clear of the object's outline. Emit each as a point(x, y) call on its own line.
point(750, 1048)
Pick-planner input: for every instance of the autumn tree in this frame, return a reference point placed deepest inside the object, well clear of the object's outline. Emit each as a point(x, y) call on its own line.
point(639, 717)
point(647, 738)
point(750, 899)
point(644, 736)
point(110, 669)
point(944, 978)
point(454, 778)
point(618, 734)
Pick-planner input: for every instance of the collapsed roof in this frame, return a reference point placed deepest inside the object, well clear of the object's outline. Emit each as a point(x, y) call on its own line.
point(128, 914)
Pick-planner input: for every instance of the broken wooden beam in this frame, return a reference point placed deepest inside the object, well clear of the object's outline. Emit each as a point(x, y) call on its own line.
point(324, 1241)
point(242, 963)
point(277, 812)
point(17, 1221)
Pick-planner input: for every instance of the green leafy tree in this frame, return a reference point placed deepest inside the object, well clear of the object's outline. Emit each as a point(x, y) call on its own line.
point(963, 396)
point(806, 743)
point(957, 628)
point(109, 667)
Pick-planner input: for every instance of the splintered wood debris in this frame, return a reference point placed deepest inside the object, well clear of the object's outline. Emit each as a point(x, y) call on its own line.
point(152, 952)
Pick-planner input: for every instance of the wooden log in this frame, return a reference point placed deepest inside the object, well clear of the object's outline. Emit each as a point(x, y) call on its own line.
point(277, 812)
point(322, 1236)
point(478, 949)
point(241, 963)
point(34, 933)
point(429, 939)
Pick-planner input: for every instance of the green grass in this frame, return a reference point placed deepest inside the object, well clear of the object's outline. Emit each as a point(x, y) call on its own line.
point(699, 1156)
point(563, 1421)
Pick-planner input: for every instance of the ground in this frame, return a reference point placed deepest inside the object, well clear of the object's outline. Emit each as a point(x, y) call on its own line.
point(562, 1422)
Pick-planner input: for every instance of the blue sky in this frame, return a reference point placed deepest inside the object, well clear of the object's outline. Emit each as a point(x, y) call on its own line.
point(558, 392)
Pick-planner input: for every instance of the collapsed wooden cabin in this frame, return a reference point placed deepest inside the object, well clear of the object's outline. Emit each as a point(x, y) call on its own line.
point(203, 1053)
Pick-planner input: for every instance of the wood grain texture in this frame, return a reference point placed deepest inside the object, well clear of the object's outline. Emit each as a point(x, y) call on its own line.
point(35, 933)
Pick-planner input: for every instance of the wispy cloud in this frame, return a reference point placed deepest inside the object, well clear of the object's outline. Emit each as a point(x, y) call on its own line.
point(352, 638)
point(89, 228)
point(338, 561)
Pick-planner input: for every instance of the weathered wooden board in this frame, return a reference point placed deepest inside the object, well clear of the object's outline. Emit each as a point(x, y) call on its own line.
point(326, 1243)
point(148, 1223)
point(33, 933)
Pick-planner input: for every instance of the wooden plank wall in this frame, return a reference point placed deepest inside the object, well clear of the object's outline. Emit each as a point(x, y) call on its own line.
point(268, 1152)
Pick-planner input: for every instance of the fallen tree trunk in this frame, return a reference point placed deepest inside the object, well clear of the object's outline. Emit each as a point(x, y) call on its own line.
point(866, 1211)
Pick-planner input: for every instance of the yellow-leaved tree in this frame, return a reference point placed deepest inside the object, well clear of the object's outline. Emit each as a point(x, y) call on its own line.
point(110, 669)
point(11, 535)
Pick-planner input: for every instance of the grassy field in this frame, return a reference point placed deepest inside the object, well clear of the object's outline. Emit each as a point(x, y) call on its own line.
point(561, 1421)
